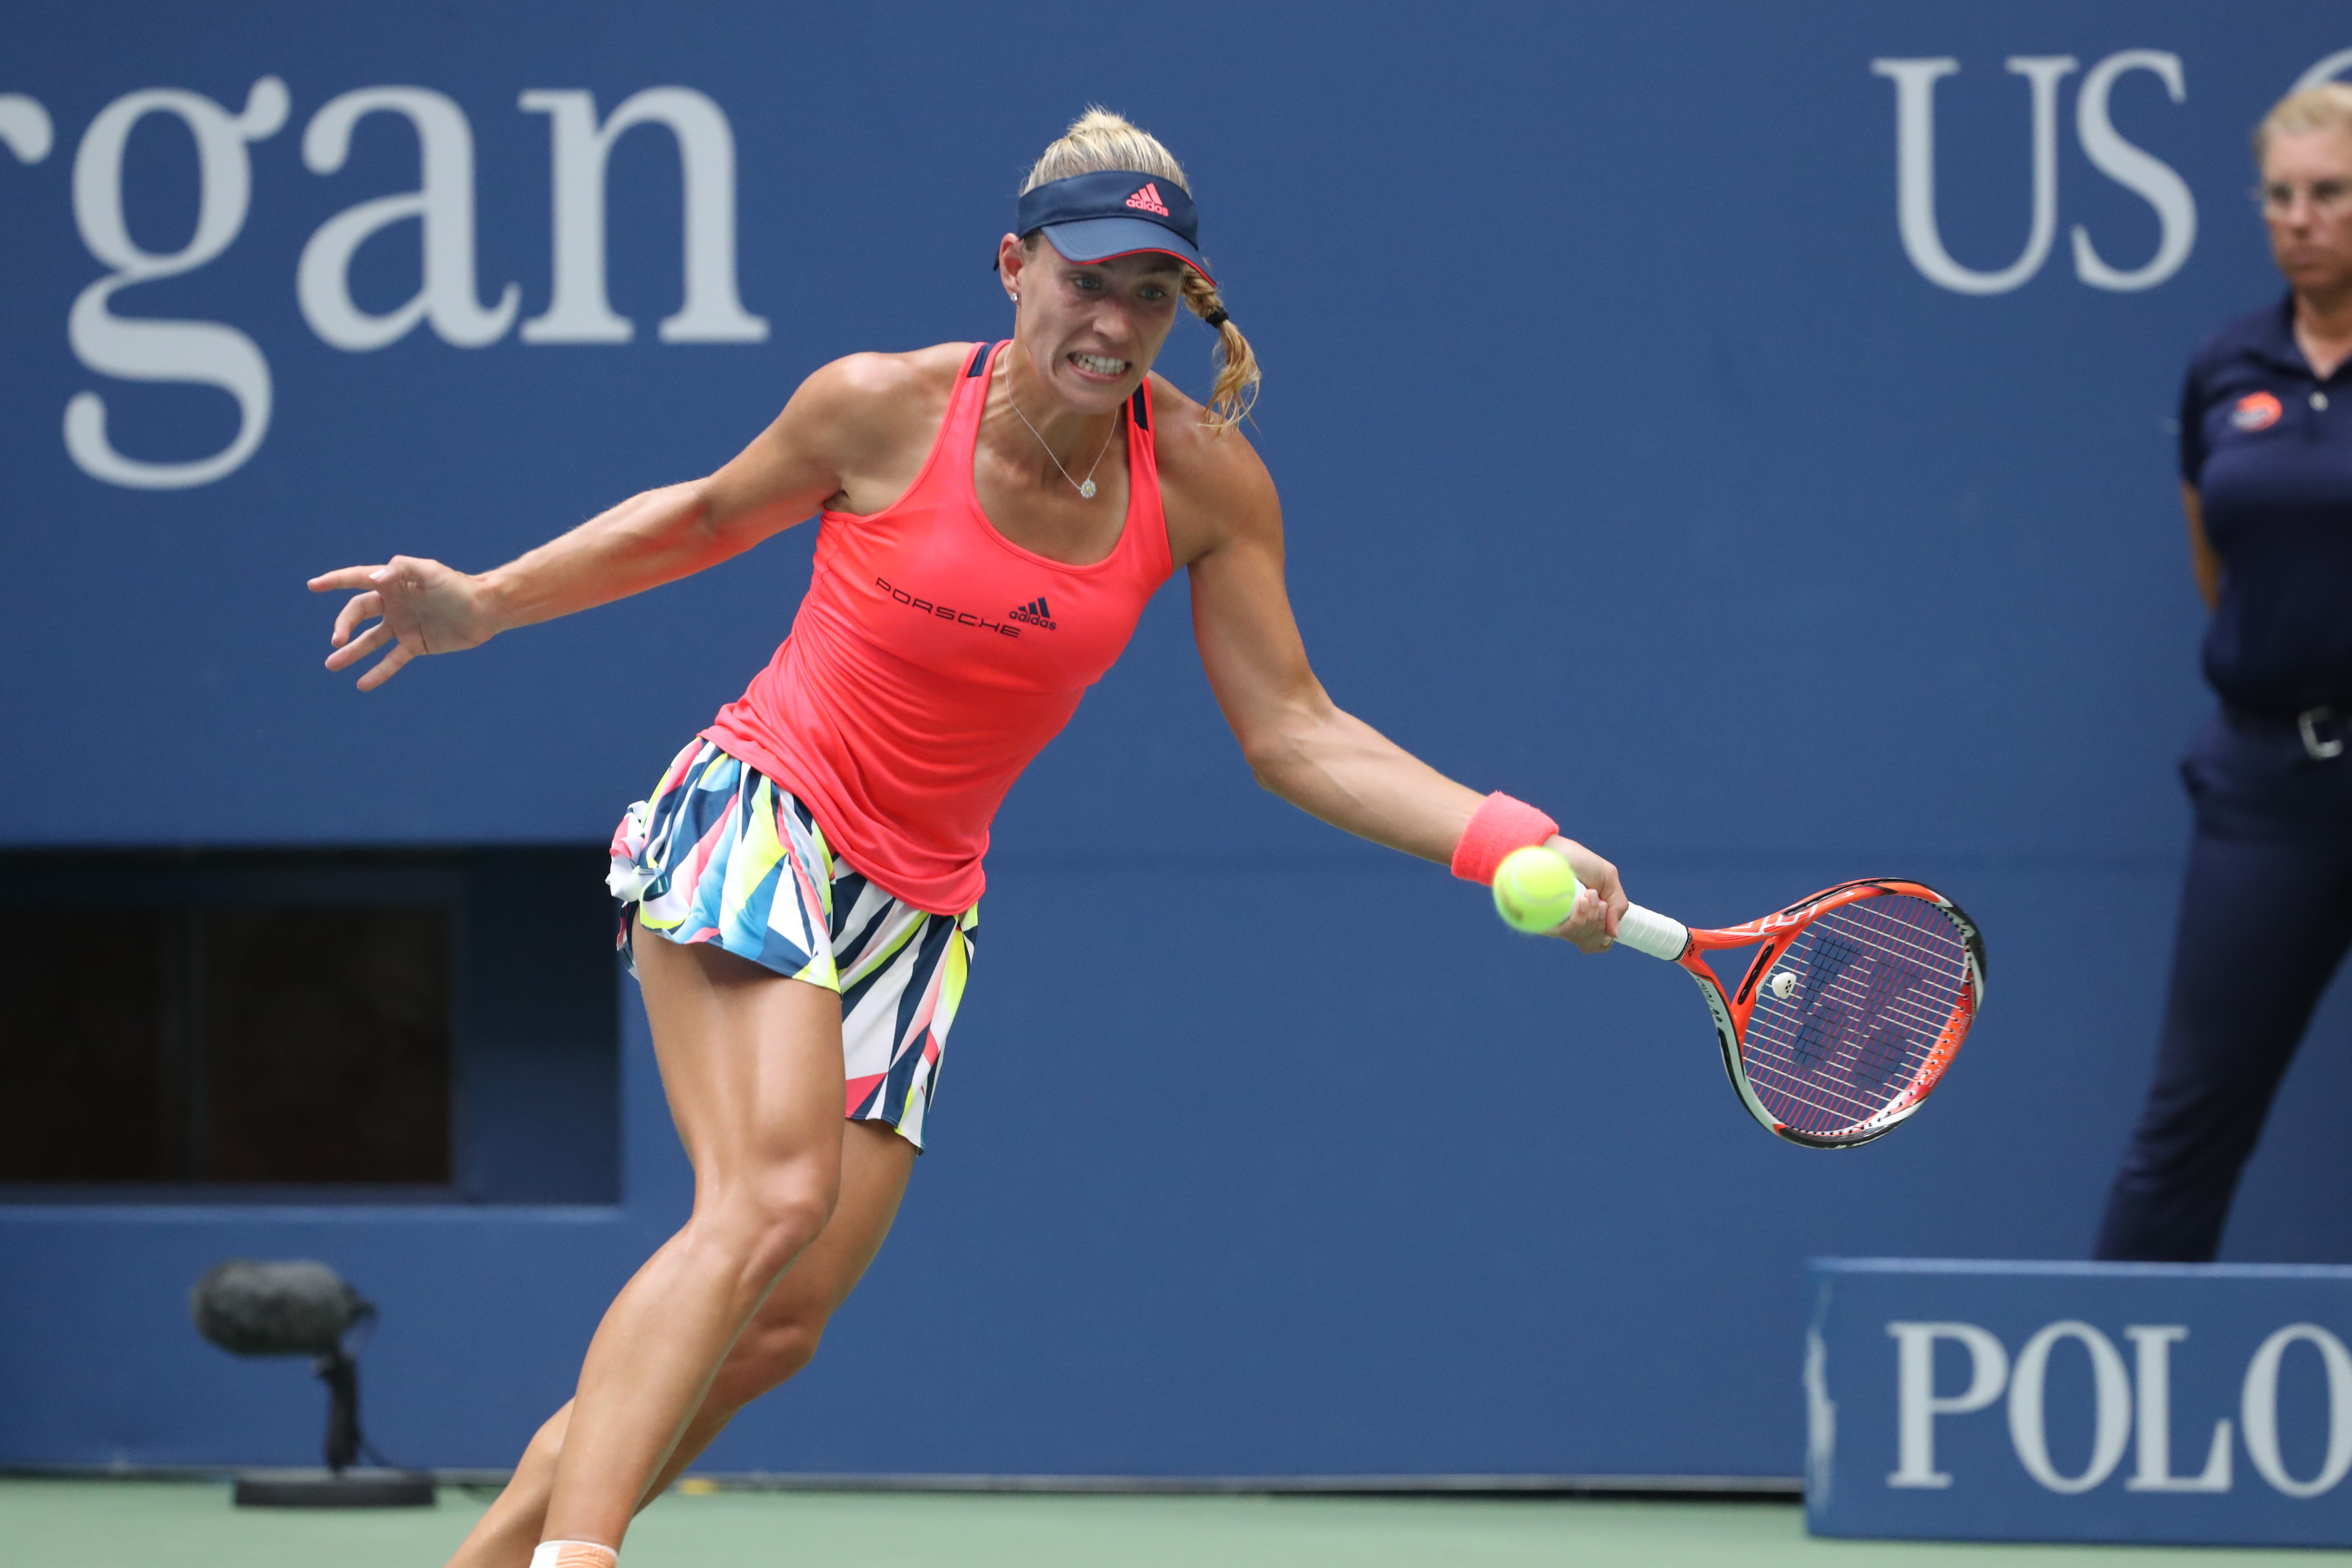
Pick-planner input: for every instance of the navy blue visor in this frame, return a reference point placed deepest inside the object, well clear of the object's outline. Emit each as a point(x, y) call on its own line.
point(1093, 217)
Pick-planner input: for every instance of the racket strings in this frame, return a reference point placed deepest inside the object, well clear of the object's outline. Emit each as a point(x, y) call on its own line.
point(1852, 1038)
point(1873, 987)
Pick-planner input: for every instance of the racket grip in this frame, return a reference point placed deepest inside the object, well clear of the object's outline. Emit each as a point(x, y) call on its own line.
point(1647, 931)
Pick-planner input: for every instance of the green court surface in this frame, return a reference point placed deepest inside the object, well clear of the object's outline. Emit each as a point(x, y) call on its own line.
point(185, 1524)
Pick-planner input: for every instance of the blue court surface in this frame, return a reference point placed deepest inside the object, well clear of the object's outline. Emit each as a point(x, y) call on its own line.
point(190, 1524)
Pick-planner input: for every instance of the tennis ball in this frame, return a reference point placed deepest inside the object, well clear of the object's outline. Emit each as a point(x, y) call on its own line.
point(1535, 890)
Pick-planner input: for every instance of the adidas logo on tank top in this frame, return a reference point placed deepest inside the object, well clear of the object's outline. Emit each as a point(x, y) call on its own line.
point(1034, 613)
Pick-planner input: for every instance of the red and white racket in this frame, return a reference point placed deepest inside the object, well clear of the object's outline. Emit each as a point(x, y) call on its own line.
point(1851, 1010)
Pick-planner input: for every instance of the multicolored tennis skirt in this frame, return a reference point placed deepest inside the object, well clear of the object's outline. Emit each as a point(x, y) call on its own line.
point(724, 854)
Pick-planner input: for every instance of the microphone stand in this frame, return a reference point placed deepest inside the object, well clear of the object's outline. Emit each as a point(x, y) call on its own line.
point(341, 1486)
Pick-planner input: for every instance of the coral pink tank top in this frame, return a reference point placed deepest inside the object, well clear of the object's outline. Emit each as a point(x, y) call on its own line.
point(933, 658)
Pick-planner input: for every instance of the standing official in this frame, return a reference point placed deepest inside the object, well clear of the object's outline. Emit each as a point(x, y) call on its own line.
point(2266, 912)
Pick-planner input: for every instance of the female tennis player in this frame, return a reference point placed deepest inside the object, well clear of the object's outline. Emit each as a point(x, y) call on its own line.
point(993, 517)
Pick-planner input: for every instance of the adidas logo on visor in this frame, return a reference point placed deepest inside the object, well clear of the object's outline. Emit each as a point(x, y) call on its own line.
point(1033, 613)
point(1148, 200)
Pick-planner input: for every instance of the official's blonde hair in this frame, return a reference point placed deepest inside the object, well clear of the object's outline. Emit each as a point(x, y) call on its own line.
point(2327, 107)
point(1099, 141)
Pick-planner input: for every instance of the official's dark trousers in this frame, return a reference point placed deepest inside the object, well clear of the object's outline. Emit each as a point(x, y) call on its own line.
point(2266, 916)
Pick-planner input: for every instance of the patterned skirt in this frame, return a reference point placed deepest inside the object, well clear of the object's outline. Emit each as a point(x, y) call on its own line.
point(723, 854)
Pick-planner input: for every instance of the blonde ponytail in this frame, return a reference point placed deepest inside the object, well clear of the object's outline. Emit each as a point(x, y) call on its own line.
point(1098, 141)
point(1237, 375)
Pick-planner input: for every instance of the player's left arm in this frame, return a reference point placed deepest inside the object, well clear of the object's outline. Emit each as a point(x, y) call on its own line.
point(1300, 744)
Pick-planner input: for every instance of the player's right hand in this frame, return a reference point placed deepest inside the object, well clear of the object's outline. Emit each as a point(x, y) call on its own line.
point(418, 607)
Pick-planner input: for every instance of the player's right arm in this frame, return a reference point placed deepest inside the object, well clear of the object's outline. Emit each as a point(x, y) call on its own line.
point(846, 430)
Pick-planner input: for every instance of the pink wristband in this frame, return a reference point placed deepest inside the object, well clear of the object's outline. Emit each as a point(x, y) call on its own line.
point(1501, 825)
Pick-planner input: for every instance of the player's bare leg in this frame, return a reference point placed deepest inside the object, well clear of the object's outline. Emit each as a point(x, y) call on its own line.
point(778, 1341)
point(752, 1065)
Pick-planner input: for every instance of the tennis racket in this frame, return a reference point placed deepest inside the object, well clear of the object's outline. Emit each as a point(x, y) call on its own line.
point(1852, 1009)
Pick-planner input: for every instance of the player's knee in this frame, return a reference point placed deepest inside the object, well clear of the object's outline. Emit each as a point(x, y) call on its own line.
point(546, 1445)
point(770, 1354)
point(768, 1219)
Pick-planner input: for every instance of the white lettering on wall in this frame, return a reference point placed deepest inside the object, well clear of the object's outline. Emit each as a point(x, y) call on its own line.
point(2258, 1409)
point(2129, 165)
point(206, 353)
point(2148, 178)
point(1914, 169)
point(2326, 70)
point(580, 311)
point(443, 207)
point(2028, 1428)
point(2153, 1402)
point(24, 128)
point(1916, 1402)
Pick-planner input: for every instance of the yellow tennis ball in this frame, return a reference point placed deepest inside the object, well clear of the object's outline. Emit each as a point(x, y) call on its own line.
point(1535, 890)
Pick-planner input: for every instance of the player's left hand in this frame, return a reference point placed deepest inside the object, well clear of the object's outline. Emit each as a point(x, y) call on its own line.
point(1600, 900)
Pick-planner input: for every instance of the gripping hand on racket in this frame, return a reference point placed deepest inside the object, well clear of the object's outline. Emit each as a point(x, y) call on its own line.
point(418, 607)
point(1600, 900)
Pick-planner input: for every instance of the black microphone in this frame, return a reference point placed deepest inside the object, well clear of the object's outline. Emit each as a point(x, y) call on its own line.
point(304, 1308)
point(277, 1308)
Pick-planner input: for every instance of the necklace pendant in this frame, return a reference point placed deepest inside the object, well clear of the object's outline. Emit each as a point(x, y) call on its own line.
point(1086, 490)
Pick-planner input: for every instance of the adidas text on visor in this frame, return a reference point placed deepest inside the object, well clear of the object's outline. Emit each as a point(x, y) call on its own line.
point(1094, 218)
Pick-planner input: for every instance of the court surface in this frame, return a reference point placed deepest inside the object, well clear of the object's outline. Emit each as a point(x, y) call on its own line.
point(187, 1524)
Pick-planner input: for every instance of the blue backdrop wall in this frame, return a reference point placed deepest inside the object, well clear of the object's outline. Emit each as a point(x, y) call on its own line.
point(1637, 458)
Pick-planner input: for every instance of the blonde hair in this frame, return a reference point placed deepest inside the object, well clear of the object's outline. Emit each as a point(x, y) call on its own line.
point(1098, 141)
point(2327, 107)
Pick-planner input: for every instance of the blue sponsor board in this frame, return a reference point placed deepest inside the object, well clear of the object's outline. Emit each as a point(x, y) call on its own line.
point(2117, 1402)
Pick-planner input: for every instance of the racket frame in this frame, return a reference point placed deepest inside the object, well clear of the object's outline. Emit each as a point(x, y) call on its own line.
point(1777, 932)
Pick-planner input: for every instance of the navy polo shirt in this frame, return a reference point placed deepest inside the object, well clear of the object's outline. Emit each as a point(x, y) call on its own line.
point(2269, 448)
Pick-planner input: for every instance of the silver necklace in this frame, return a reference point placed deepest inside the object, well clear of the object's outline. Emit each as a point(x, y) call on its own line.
point(1085, 488)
